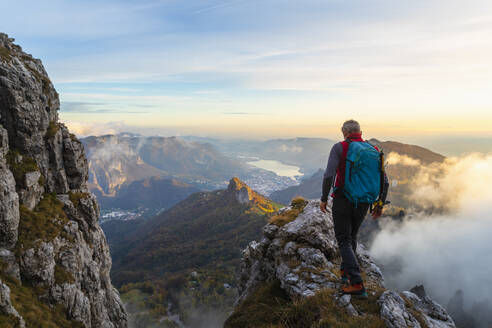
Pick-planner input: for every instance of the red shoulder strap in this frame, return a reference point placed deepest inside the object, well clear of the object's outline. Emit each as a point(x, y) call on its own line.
point(340, 180)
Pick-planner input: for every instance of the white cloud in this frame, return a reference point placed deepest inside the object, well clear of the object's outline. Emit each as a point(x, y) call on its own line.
point(397, 159)
point(84, 129)
point(450, 251)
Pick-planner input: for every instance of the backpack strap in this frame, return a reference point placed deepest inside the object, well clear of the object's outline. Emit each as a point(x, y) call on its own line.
point(339, 181)
point(381, 189)
point(381, 160)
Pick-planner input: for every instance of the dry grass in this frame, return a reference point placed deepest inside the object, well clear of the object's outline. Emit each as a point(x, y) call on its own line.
point(282, 219)
point(417, 315)
point(26, 300)
point(44, 223)
point(75, 197)
point(5, 55)
point(20, 168)
point(62, 276)
point(269, 306)
point(52, 130)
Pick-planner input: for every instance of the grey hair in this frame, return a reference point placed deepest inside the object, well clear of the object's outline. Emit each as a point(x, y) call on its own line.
point(351, 126)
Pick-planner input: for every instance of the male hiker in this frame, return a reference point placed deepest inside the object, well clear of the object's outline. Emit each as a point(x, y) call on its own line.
point(355, 169)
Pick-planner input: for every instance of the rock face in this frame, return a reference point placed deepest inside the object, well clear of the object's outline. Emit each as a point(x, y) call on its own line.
point(303, 256)
point(241, 190)
point(49, 233)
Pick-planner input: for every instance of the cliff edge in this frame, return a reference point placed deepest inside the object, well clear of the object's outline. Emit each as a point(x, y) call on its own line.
point(291, 279)
point(54, 259)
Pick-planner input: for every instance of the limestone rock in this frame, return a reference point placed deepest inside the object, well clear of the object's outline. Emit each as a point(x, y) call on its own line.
point(39, 157)
point(9, 199)
point(434, 314)
point(303, 256)
point(394, 311)
point(33, 192)
point(242, 191)
point(400, 313)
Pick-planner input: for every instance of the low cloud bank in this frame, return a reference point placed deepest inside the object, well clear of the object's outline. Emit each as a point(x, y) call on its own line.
point(83, 129)
point(395, 159)
point(449, 251)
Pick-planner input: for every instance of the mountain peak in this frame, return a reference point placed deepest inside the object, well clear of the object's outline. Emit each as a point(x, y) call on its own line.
point(237, 184)
point(244, 194)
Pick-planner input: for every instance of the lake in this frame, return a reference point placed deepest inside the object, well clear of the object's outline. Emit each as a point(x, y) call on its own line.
point(277, 167)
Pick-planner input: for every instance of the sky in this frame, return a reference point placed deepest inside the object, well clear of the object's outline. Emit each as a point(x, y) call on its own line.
point(404, 69)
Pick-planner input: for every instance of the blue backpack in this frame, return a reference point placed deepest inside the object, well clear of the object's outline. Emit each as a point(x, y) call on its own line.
point(364, 173)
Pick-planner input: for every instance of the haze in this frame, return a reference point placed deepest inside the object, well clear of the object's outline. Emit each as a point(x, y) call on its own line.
point(406, 70)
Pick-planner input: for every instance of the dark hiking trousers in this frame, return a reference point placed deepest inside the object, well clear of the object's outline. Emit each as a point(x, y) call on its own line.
point(347, 220)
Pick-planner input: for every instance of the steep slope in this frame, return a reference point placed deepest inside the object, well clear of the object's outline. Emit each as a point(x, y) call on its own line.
point(54, 259)
point(113, 163)
point(202, 234)
point(291, 279)
point(154, 192)
point(186, 235)
point(309, 188)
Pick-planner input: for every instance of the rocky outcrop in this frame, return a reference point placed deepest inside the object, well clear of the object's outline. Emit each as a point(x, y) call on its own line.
point(302, 256)
point(243, 193)
point(49, 233)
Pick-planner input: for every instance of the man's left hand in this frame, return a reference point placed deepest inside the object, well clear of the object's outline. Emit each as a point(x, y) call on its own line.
point(322, 207)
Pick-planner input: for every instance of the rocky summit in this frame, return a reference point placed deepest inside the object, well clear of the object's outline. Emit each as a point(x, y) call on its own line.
point(54, 259)
point(291, 279)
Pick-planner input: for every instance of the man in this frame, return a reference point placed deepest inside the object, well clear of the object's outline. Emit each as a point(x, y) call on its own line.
point(347, 216)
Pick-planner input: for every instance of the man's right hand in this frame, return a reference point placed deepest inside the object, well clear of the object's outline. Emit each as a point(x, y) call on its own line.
point(376, 212)
point(322, 207)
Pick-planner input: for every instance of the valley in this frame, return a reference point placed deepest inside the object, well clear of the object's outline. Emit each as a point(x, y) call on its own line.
point(182, 260)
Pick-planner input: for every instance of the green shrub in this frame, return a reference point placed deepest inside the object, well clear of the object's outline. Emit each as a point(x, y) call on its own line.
point(283, 218)
point(52, 130)
point(5, 55)
point(75, 197)
point(298, 202)
point(62, 276)
point(19, 169)
point(26, 300)
point(8, 320)
point(44, 223)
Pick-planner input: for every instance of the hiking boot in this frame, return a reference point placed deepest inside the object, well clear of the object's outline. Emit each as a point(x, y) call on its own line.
point(355, 289)
point(345, 277)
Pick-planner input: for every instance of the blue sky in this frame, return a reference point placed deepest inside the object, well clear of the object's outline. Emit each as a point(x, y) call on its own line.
point(264, 68)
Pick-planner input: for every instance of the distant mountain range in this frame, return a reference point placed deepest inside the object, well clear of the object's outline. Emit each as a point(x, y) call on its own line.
point(309, 154)
point(115, 160)
point(402, 174)
point(129, 171)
